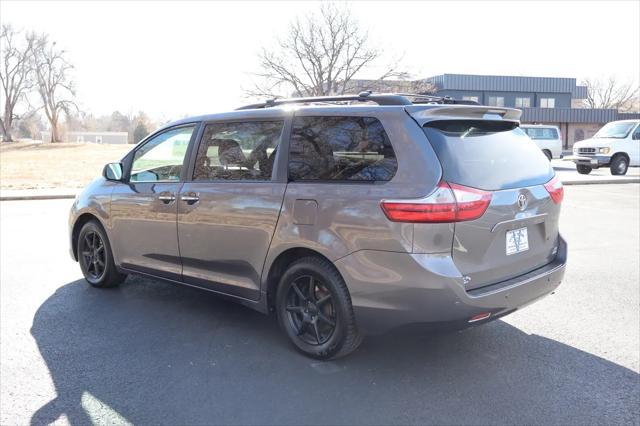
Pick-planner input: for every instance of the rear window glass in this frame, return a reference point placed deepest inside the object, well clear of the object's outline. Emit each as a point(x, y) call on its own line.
point(541, 132)
point(489, 155)
point(340, 149)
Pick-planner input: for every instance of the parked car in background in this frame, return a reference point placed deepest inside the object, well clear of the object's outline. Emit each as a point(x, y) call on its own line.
point(343, 220)
point(546, 137)
point(616, 145)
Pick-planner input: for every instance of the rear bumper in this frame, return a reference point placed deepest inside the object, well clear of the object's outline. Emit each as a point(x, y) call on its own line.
point(392, 290)
point(594, 161)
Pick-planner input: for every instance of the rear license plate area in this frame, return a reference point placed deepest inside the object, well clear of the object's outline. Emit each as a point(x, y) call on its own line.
point(517, 241)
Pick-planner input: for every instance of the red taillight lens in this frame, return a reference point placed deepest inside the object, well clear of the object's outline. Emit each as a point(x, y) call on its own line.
point(555, 189)
point(448, 203)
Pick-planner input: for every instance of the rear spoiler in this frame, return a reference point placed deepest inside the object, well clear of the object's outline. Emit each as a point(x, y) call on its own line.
point(426, 113)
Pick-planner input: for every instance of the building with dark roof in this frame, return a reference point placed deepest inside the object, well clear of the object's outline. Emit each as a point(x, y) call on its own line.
point(547, 100)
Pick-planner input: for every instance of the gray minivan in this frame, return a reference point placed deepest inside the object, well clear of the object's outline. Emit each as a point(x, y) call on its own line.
point(343, 216)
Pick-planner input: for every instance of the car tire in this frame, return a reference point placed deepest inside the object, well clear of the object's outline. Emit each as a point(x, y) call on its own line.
point(314, 309)
point(619, 165)
point(547, 153)
point(96, 258)
point(583, 170)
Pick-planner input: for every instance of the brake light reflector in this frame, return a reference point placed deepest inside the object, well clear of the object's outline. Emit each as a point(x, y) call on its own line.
point(450, 202)
point(480, 317)
point(555, 189)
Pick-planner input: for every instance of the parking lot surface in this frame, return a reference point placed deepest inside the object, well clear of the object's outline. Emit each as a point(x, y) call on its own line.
point(152, 352)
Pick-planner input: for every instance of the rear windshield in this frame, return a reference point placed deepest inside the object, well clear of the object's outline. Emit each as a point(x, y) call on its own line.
point(489, 155)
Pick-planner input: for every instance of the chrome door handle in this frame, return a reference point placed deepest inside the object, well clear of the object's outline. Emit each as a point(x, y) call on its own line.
point(167, 198)
point(190, 198)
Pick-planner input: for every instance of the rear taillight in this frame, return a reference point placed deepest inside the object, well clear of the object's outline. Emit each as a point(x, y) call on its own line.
point(555, 189)
point(450, 202)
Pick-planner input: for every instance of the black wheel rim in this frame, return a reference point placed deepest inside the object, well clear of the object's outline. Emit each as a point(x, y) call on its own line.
point(310, 310)
point(93, 255)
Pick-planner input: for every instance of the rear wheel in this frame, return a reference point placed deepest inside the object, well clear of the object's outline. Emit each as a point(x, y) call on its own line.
point(314, 309)
point(583, 170)
point(95, 257)
point(619, 165)
point(547, 153)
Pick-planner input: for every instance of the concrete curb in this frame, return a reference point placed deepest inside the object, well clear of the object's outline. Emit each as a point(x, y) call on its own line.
point(37, 197)
point(602, 181)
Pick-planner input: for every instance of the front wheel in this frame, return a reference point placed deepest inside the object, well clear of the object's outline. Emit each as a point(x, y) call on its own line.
point(314, 309)
point(619, 165)
point(95, 257)
point(583, 170)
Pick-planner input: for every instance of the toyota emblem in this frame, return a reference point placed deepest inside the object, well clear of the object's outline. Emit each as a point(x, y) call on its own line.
point(522, 201)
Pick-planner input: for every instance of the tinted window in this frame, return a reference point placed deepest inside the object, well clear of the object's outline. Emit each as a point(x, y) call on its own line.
point(161, 158)
point(238, 151)
point(541, 132)
point(488, 155)
point(340, 148)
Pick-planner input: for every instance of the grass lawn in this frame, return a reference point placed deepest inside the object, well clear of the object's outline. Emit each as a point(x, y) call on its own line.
point(33, 165)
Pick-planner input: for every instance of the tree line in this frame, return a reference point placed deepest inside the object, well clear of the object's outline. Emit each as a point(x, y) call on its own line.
point(36, 79)
point(323, 53)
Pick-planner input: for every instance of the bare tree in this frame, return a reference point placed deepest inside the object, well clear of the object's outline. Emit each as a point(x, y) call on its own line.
point(320, 55)
point(611, 94)
point(54, 82)
point(16, 74)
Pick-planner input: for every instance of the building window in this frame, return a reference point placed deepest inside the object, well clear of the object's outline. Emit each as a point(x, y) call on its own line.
point(523, 102)
point(547, 103)
point(470, 98)
point(496, 101)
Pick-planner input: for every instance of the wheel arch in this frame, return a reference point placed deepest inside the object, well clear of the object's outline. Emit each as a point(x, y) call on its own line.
point(280, 265)
point(623, 154)
point(77, 226)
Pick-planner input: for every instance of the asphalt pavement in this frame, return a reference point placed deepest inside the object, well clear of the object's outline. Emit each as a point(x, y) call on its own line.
point(152, 352)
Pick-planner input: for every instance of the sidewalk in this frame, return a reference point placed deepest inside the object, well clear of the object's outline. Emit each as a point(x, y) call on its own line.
point(565, 170)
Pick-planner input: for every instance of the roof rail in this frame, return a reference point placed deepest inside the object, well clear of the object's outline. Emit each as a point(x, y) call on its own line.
point(382, 99)
point(367, 96)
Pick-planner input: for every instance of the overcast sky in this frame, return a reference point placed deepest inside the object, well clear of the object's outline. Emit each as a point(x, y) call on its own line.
point(175, 58)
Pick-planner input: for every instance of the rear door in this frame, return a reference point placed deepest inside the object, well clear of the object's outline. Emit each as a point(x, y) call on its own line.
point(634, 146)
point(229, 207)
point(519, 230)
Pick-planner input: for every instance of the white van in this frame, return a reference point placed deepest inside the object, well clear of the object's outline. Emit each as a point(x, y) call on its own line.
point(616, 145)
point(546, 137)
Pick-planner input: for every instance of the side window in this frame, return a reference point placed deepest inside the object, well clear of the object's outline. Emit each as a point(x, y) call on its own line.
point(341, 149)
point(161, 158)
point(636, 133)
point(238, 151)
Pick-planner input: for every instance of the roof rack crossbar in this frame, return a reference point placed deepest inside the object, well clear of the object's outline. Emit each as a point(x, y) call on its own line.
point(367, 96)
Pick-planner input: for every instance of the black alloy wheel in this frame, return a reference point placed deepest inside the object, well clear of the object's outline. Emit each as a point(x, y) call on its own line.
point(95, 257)
point(310, 310)
point(92, 256)
point(314, 309)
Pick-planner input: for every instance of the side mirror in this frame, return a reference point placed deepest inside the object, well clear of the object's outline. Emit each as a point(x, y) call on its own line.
point(112, 171)
point(635, 136)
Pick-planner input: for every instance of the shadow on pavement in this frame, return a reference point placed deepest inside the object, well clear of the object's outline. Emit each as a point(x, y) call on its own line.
point(151, 352)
